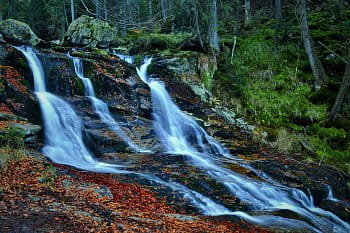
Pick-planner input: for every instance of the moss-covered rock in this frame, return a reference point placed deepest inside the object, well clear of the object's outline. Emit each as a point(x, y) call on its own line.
point(159, 41)
point(90, 32)
point(18, 33)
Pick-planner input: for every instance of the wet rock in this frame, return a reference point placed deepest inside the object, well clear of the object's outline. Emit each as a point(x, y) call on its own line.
point(16, 85)
point(103, 141)
point(202, 92)
point(90, 32)
point(28, 129)
point(104, 192)
point(232, 119)
point(60, 75)
point(7, 117)
point(55, 42)
point(18, 33)
point(31, 131)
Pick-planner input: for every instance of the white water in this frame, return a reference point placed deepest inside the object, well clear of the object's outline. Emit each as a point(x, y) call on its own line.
point(331, 195)
point(63, 128)
point(180, 134)
point(63, 132)
point(101, 107)
point(127, 58)
point(64, 145)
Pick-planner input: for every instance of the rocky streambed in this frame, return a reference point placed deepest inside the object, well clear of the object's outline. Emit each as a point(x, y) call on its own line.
point(37, 193)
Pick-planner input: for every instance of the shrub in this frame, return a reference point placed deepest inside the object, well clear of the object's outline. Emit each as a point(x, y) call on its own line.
point(8, 154)
point(286, 141)
point(11, 146)
point(13, 137)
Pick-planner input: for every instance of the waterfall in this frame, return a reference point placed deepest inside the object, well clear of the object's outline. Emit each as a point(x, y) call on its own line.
point(330, 195)
point(101, 107)
point(180, 134)
point(127, 58)
point(64, 145)
point(63, 128)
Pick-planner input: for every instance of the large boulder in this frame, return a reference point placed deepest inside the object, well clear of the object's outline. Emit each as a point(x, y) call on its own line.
point(90, 32)
point(18, 33)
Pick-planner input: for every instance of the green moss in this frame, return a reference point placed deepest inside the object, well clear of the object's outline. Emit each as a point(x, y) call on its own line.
point(286, 141)
point(2, 87)
point(162, 41)
point(274, 89)
point(8, 154)
point(330, 134)
point(103, 52)
point(11, 146)
point(13, 137)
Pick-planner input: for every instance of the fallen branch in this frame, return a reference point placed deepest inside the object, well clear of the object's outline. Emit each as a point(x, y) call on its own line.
point(233, 47)
point(332, 51)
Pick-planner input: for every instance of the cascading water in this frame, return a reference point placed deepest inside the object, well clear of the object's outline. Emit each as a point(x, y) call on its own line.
point(63, 128)
point(100, 107)
point(63, 131)
point(127, 58)
point(64, 145)
point(330, 195)
point(180, 134)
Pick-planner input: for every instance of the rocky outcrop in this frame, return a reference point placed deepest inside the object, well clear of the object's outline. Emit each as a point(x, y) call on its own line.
point(89, 32)
point(8, 122)
point(16, 85)
point(17, 32)
point(129, 101)
point(194, 69)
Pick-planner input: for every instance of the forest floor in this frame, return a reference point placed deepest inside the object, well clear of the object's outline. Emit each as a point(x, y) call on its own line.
point(39, 196)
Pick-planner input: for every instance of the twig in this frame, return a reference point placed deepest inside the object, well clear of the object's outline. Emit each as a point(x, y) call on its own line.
point(233, 47)
point(332, 51)
point(87, 9)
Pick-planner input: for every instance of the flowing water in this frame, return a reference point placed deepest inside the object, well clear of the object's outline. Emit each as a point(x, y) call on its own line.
point(101, 107)
point(63, 128)
point(127, 58)
point(64, 145)
point(180, 134)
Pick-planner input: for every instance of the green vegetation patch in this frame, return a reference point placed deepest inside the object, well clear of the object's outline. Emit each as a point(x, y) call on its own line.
point(11, 146)
point(162, 41)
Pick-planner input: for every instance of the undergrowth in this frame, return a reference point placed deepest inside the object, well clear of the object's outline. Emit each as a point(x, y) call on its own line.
point(274, 89)
point(11, 146)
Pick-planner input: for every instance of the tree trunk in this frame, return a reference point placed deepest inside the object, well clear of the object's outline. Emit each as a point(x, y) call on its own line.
point(124, 18)
point(213, 28)
point(65, 14)
point(237, 6)
point(116, 13)
point(164, 10)
point(171, 10)
point(343, 90)
point(196, 18)
point(278, 9)
point(105, 8)
point(98, 9)
point(150, 14)
point(72, 10)
point(341, 3)
point(9, 8)
point(315, 63)
point(278, 17)
point(247, 10)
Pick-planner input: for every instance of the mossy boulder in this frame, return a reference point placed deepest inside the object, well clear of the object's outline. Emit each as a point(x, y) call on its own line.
point(89, 32)
point(159, 41)
point(18, 33)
